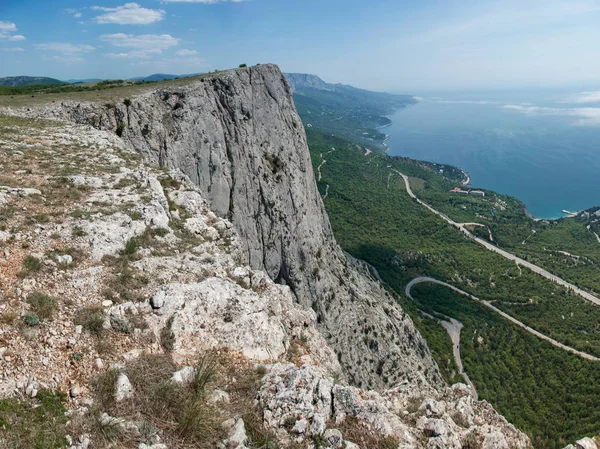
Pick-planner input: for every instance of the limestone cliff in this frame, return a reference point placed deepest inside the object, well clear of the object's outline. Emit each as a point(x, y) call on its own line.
point(121, 289)
point(237, 136)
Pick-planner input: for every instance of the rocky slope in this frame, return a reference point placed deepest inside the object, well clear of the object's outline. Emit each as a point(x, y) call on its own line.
point(119, 283)
point(237, 136)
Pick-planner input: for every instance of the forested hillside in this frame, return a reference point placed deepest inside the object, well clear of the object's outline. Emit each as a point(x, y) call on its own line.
point(542, 389)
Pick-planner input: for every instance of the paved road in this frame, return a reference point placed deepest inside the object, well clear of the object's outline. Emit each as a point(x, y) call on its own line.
point(586, 295)
point(553, 342)
point(453, 327)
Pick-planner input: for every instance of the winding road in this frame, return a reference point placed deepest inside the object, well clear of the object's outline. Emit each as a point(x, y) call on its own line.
point(461, 226)
point(453, 327)
point(424, 279)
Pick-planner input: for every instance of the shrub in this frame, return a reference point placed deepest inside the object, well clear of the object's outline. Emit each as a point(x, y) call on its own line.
point(43, 305)
point(243, 65)
point(167, 336)
point(91, 318)
point(120, 129)
point(31, 263)
point(131, 247)
point(31, 319)
point(127, 102)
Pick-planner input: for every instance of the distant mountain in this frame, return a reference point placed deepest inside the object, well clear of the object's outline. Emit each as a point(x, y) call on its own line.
point(161, 77)
point(89, 80)
point(13, 81)
point(298, 81)
point(353, 113)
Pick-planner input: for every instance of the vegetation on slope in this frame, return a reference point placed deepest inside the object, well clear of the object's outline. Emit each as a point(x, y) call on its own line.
point(374, 219)
point(28, 80)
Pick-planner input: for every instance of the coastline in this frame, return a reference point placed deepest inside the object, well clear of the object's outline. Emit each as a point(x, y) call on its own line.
point(558, 215)
point(467, 180)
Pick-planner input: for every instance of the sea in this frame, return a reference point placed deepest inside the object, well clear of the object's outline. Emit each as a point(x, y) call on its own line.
point(542, 147)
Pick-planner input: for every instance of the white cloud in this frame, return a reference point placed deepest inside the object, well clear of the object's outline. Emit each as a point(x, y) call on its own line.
point(585, 116)
point(129, 14)
point(65, 48)
point(6, 32)
point(466, 102)
point(145, 42)
point(74, 12)
point(136, 54)
point(142, 46)
point(585, 97)
point(12, 49)
point(7, 27)
point(185, 52)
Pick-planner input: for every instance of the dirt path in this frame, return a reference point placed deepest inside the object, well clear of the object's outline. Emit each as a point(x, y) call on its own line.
point(532, 331)
point(506, 254)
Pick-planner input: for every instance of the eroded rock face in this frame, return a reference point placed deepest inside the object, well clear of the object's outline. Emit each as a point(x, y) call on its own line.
point(196, 278)
point(303, 402)
point(238, 137)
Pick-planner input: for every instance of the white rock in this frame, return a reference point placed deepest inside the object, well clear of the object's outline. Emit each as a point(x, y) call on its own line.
point(123, 388)
point(435, 428)
point(64, 259)
point(318, 425)
point(218, 396)
point(586, 443)
point(237, 437)
point(300, 426)
point(32, 389)
point(184, 376)
point(158, 299)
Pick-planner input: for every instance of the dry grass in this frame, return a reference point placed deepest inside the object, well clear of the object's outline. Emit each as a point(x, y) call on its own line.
point(43, 305)
point(181, 413)
point(354, 431)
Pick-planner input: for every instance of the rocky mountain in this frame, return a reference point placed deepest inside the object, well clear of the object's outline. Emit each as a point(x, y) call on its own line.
point(298, 81)
point(343, 110)
point(238, 137)
point(27, 80)
point(216, 241)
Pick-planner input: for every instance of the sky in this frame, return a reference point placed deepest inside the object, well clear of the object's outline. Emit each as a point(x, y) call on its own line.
point(394, 45)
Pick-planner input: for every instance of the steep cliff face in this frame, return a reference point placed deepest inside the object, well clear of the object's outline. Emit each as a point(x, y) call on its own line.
point(237, 136)
point(121, 289)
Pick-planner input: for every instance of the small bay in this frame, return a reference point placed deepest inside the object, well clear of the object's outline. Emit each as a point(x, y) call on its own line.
point(544, 151)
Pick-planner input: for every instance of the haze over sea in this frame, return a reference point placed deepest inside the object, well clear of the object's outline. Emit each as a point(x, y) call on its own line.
point(543, 148)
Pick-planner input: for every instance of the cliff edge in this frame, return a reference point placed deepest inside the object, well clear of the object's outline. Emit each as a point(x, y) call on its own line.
point(237, 136)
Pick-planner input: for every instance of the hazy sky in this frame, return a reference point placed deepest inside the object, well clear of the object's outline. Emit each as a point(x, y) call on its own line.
point(408, 46)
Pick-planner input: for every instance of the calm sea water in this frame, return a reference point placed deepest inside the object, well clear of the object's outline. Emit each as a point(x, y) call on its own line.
point(543, 150)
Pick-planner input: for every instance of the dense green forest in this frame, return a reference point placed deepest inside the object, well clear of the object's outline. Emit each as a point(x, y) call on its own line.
point(374, 219)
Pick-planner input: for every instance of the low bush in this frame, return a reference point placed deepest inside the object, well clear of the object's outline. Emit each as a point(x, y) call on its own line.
point(43, 305)
point(38, 423)
point(91, 318)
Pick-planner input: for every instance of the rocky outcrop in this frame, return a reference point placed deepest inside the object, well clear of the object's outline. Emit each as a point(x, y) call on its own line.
point(237, 136)
point(166, 286)
point(303, 403)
